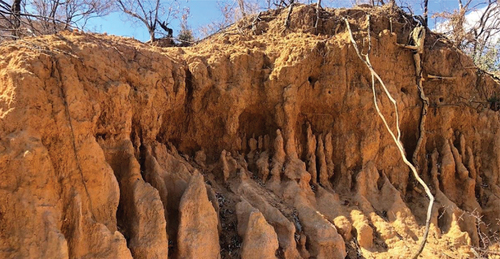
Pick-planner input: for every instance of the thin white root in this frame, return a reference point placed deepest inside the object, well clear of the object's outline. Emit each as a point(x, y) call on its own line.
point(396, 139)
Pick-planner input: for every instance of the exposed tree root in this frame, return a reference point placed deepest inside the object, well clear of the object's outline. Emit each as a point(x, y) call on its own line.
point(396, 139)
point(68, 115)
point(418, 35)
point(418, 39)
point(421, 129)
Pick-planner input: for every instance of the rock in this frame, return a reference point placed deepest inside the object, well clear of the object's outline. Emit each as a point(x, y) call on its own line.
point(101, 244)
point(259, 238)
point(328, 156)
point(329, 205)
point(364, 233)
point(153, 175)
point(324, 241)
point(295, 170)
point(200, 158)
point(253, 152)
point(278, 158)
point(282, 226)
point(215, 203)
point(228, 165)
point(447, 176)
point(323, 168)
point(302, 246)
point(263, 166)
point(142, 212)
point(311, 155)
point(198, 234)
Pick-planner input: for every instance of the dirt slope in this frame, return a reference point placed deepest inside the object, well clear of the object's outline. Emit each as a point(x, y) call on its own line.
point(258, 142)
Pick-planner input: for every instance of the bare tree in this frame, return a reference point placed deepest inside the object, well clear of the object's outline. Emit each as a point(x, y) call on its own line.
point(232, 11)
point(36, 17)
point(185, 36)
point(475, 28)
point(9, 18)
point(485, 30)
point(154, 14)
point(55, 15)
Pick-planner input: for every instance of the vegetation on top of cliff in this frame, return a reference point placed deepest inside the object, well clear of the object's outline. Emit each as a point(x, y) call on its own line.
point(472, 25)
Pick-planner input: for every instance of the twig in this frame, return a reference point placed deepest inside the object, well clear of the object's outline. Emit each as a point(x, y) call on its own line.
point(397, 141)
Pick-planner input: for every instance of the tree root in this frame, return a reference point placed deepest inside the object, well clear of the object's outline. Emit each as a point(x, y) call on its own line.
point(397, 141)
point(425, 106)
point(421, 137)
point(59, 78)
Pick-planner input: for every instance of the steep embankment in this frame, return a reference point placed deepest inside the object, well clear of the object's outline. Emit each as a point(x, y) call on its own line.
point(259, 141)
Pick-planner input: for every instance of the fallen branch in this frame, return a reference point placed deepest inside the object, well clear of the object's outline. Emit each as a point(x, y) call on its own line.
point(397, 141)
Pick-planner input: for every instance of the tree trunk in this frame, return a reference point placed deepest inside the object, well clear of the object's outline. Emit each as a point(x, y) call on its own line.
point(426, 12)
point(16, 17)
point(151, 35)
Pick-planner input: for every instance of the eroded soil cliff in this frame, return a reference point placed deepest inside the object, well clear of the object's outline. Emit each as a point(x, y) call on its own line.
point(259, 142)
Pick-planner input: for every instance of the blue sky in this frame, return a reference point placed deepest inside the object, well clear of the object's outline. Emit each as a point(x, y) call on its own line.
point(203, 12)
